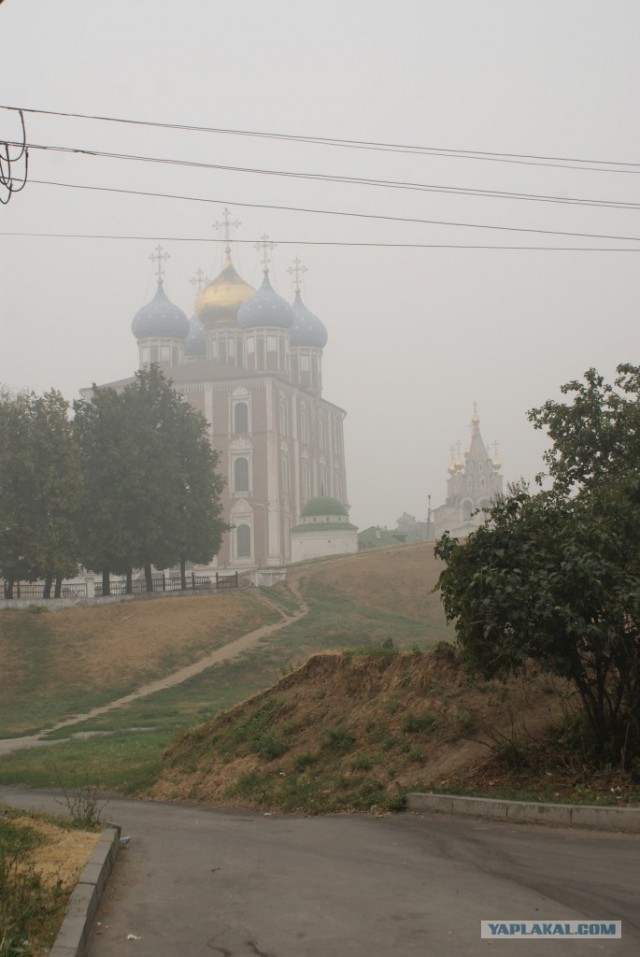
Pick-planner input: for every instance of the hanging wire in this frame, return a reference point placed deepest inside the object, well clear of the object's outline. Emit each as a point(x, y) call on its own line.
point(9, 182)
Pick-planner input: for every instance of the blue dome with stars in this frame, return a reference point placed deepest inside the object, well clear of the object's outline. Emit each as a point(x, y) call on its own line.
point(266, 308)
point(160, 319)
point(307, 329)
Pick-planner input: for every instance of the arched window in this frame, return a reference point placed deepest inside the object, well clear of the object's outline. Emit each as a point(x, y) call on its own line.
point(241, 475)
point(243, 541)
point(241, 417)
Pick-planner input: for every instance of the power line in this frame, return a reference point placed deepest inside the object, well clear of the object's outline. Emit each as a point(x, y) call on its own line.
point(321, 242)
point(571, 201)
point(426, 222)
point(483, 155)
point(286, 174)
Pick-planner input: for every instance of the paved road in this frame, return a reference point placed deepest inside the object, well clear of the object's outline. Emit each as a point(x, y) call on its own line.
point(203, 883)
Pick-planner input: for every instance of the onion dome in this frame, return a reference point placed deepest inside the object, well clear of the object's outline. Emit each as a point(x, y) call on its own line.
point(195, 342)
point(324, 514)
point(323, 505)
point(266, 308)
point(160, 319)
point(220, 299)
point(307, 329)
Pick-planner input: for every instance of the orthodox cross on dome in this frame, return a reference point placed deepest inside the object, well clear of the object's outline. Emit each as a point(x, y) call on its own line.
point(199, 280)
point(227, 226)
point(297, 269)
point(159, 256)
point(265, 245)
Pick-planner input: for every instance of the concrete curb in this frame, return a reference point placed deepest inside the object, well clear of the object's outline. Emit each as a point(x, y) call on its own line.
point(85, 899)
point(521, 812)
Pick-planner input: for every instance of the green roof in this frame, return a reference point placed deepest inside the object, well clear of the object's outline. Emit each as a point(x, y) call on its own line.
point(323, 506)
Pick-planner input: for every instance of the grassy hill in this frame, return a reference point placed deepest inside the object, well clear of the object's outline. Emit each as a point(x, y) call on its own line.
point(62, 663)
point(348, 707)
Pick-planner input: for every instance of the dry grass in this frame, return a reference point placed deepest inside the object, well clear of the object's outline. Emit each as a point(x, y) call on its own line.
point(351, 732)
point(63, 852)
point(93, 646)
point(59, 660)
point(400, 580)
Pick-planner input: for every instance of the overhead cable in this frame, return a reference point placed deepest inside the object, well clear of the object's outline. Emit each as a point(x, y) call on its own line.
point(426, 222)
point(484, 155)
point(327, 242)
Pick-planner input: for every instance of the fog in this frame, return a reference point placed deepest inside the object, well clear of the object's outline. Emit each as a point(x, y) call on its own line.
point(418, 331)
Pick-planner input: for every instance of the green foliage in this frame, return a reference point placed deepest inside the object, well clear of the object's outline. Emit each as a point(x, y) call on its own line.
point(338, 740)
point(418, 723)
point(41, 485)
point(304, 761)
point(554, 577)
point(152, 493)
point(270, 745)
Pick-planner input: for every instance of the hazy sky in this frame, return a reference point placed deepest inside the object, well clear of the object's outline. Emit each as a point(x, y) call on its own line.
point(416, 335)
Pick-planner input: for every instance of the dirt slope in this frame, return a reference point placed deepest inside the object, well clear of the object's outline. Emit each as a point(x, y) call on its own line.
point(353, 732)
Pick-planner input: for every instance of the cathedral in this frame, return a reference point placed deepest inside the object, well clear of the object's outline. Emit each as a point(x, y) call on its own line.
point(251, 363)
point(471, 487)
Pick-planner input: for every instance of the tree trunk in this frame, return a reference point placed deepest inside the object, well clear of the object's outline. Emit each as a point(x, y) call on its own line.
point(129, 584)
point(148, 577)
point(58, 589)
point(48, 582)
point(106, 583)
point(183, 574)
point(8, 588)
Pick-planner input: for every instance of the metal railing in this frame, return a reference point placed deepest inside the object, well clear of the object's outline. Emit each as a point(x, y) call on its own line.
point(118, 586)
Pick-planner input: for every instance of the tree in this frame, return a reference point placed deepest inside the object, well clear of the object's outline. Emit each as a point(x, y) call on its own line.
point(106, 447)
point(40, 484)
point(199, 489)
point(596, 437)
point(554, 577)
point(152, 495)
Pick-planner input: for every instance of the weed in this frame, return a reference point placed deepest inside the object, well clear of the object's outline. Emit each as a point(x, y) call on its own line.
point(416, 723)
point(84, 806)
point(338, 740)
point(361, 763)
point(513, 755)
point(466, 723)
point(269, 745)
point(304, 761)
point(388, 742)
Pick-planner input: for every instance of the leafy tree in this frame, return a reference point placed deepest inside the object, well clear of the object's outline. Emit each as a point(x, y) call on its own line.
point(40, 483)
point(106, 447)
point(152, 494)
point(554, 577)
point(198, 492)
point(596, 436)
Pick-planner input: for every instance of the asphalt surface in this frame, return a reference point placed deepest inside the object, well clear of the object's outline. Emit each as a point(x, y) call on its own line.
point(198, 882)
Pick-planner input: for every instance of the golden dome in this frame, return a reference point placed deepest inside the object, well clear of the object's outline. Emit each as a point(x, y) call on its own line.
point(220, 300)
